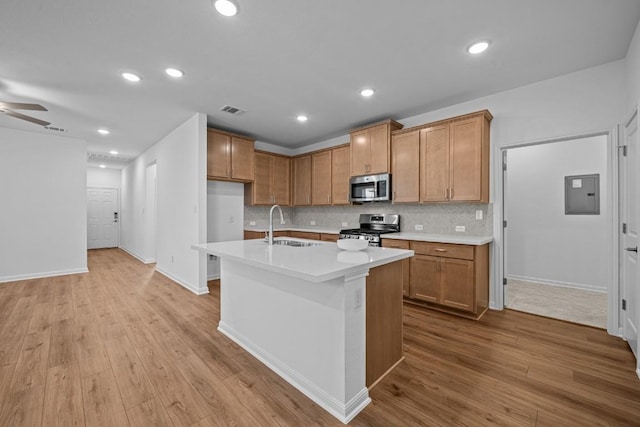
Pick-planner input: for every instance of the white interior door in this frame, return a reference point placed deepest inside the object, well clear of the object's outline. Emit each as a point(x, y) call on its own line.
point(102, 218)
point(629, 212)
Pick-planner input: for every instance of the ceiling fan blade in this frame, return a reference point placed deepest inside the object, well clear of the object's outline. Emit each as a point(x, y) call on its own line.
point(22, 106)
point(27, 118)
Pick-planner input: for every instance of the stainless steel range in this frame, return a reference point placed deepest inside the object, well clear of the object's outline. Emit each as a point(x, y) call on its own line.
point(372, 226)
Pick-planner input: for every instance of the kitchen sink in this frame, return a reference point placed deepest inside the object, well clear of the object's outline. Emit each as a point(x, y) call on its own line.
point(296, 243)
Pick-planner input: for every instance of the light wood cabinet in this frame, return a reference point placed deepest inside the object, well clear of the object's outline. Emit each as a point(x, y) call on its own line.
point(371, 148)
point(325, 237)
point(405, 167)
point(401, 244)
point(321, 178)
point(302, 181)
point(305, 235)
point(340, 164)
point(229, 157)
point(272, 181)
point(454, 160)
point(450, 277)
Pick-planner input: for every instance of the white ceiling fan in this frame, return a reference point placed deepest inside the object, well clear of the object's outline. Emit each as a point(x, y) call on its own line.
point(9, 107)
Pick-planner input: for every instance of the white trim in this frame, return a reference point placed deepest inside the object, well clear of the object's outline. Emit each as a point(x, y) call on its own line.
point(136, 256)
point(344, 412)
point(496, 291)
point(43, 274)
point(183, 283)
point(601, 289)
point(613, 190)
point(213, 277)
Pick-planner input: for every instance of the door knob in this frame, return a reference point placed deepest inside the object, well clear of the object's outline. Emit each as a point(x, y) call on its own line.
point(632, 249)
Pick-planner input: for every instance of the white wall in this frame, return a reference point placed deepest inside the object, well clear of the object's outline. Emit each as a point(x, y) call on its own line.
point(633, 72)
point(43, 191)
point(181, 204)
point(103, 177)
point(544, 244)
point(225, 217)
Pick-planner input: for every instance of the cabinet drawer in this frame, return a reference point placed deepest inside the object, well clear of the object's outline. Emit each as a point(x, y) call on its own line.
point(393, 243)
point(445, 250)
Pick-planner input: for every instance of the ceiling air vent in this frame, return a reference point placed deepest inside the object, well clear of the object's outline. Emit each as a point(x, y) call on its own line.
point(54, 128)
point(232, 110)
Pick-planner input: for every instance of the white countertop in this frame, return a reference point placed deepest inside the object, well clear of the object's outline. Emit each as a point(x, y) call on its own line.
point(293, 228)
point(460, 239)
point(315, 263)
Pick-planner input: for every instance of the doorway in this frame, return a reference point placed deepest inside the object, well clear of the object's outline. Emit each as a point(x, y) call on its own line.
point(556, 259)
point(103, 223)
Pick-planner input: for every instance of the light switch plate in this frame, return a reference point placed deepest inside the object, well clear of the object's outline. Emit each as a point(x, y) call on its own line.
point(419, 227)
point(313, 223)
point(252, 223)
point(460, 228)
point(345, 224)
point(478, 214)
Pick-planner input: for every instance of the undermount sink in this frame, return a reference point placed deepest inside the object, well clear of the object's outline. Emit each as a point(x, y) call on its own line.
point(296, 243)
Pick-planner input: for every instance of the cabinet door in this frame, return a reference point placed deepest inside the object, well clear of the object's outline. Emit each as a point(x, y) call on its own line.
point(406, 263)
point(302, 181)
point(434, 170)
point(329, 237)
point(465, 160)
point(405, 152)
point(304, 235)
point(262, 194)
point(458, 287)
point(360, 152)
point(379, 149)
point(340, 160)
point(242, 159)
point(218, 154)
point(321, 178)
point(425, 278)
point(281, 180)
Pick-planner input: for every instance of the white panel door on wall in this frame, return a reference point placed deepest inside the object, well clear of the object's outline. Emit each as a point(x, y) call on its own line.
point(102, 218)
point(630, 216)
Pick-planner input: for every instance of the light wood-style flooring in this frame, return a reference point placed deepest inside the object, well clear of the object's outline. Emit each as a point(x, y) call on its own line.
point(123, 345)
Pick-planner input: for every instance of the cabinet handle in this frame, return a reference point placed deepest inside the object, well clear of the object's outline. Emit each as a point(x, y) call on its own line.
point(446, 194)
point(440, 250)
point(308, 199)
point(451, 194)
point(328, 198)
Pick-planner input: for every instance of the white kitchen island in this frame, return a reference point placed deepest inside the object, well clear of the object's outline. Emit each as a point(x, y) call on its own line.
point(302, 311)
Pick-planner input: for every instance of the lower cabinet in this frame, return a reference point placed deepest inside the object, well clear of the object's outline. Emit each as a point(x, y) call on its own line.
point(304, 235)
point(450, 277)
point(406, 265)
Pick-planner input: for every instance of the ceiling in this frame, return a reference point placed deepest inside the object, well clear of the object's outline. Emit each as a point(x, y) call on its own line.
point(278, 58)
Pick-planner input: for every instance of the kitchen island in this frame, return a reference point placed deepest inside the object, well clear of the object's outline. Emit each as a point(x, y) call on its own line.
point(327, 321)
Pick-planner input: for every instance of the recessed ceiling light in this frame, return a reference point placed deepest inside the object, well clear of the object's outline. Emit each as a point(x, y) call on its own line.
point(226, 7)
point(114, 152)
point(103, 166)
point(478, 47)
point(302, 118)
point(174, 72)
point(367, 92)
point(103, 131)
point(131, 77)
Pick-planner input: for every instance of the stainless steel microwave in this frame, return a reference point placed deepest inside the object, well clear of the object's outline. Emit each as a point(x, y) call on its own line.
point(370, 188)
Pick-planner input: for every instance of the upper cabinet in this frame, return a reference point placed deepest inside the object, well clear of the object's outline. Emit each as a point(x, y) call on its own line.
point(321, 178)
point(371, 148)
point(301, 180)
point(405, 167)
point(229, 157)
point(340, 166)
point(272, 181)
point(455, 160)
point(446, 161)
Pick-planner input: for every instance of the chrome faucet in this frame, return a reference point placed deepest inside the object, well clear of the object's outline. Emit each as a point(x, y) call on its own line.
point(270, 237)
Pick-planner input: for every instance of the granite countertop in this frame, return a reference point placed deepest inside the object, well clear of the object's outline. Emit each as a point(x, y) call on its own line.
point(319, 263)
point(294, 228)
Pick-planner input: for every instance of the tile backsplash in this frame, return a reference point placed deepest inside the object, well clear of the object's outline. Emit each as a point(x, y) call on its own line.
point(435, 218)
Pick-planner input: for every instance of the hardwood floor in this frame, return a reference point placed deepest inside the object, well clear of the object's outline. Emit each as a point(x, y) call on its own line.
point(123, 345)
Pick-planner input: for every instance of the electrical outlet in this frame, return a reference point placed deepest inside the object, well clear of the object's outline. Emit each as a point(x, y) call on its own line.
point(460, 228)
point(478, 214)
point(345, 224)
point(252, 223)
point(312, 222)
point(418, 227)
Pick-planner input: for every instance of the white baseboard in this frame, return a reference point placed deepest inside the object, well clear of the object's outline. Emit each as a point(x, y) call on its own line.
point(183, 283)
point(214, 276)
point(43, 274)
point(138, 257)
point(582, 286)
point(343, 412)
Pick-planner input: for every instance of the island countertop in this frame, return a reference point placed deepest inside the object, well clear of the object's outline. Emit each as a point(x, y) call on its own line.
point(319, 263)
